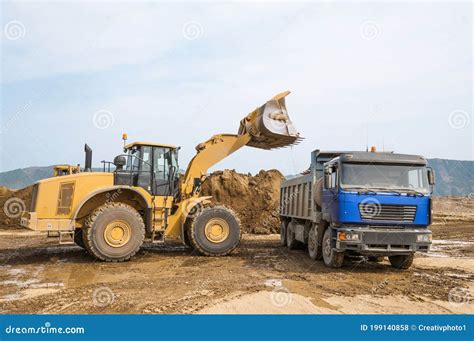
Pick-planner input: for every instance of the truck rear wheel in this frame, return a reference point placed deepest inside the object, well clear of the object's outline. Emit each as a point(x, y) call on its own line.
point(291, 241)
point(314, 248)
point(114, 232)
point(215, 231)
point(331, 257)
point(401, 261)
point(283, 228)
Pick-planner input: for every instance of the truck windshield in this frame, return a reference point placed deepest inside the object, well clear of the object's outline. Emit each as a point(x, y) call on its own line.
point(389, 177)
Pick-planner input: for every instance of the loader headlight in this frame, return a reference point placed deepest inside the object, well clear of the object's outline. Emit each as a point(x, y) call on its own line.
point(348, 236)
point(423, 238)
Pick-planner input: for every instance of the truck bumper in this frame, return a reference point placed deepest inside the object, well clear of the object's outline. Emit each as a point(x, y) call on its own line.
point(30, 221)
point(383, 241)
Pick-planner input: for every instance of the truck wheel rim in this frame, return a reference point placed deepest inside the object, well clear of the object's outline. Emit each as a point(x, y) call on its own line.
point(217, 230)
point(117, 233)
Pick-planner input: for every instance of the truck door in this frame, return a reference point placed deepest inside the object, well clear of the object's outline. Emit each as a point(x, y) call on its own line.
point(330, 192)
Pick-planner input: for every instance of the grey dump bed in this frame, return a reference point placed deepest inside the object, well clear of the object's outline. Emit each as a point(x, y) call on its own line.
point(296, 197)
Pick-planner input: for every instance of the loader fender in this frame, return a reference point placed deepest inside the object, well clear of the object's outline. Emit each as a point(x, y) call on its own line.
point(113, 189)
point(191, 207)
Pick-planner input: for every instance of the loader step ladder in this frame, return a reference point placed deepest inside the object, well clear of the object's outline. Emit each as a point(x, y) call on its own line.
point(160, 222)
point(66, 237)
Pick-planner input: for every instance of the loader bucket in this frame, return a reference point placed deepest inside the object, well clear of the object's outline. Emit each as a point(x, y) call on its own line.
point(269, 126)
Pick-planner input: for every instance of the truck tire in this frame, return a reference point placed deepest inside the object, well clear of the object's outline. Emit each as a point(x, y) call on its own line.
point(331, 257)
point(283, 228)
point(402, 262)
point(114, 232)
point(214, 231)
point(314, 246)
point(78, 239)
point(291, 241)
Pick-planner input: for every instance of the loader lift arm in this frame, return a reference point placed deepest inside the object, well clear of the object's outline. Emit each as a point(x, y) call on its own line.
point(267, 127)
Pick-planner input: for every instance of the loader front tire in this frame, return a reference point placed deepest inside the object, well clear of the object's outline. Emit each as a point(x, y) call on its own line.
point(114, 232)
point(214, 231)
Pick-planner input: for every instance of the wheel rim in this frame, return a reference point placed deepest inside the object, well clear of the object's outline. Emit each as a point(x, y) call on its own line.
point(217, 230)
point(327, 246)
point(117, 233)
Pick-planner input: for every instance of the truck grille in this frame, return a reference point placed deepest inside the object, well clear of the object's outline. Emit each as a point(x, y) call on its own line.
point(372, 211)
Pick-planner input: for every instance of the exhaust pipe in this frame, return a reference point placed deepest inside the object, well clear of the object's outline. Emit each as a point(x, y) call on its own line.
point(88, 163)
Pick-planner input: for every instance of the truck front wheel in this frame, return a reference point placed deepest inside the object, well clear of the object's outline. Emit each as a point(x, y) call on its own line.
point(331, 257)
point(402, 262)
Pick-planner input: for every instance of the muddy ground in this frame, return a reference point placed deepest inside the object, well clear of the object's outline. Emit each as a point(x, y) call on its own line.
point(39, 276)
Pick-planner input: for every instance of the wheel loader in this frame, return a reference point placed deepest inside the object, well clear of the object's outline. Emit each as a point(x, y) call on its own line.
point(111, 213)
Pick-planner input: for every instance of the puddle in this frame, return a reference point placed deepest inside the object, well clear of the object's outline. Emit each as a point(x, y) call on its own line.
point(273, 283)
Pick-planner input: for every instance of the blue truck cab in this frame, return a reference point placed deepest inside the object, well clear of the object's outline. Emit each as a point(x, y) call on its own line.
point(372, 204)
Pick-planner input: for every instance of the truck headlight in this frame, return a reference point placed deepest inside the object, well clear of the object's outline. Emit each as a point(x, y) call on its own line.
point(423, 238)
point(347, 236)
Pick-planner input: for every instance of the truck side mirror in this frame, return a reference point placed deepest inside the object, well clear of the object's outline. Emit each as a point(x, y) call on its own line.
point(431, 176)
point(328, 180)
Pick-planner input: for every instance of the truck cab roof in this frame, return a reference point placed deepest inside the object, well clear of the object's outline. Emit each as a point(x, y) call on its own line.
point(370, 157)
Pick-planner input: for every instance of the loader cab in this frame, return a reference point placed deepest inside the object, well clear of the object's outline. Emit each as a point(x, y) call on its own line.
point(151, 166)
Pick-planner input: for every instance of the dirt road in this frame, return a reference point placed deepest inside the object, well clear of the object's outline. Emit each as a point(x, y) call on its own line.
point(39, 276)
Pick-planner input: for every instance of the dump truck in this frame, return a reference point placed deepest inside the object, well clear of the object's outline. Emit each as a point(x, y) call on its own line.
point(354, 203)
point(141, 195)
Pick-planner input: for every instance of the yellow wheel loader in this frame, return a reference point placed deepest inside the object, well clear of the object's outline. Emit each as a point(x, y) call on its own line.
point(110, 213)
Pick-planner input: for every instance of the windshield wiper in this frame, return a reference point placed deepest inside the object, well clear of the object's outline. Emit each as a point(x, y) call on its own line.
point(414, 192)
point(383, 189)
point(360, 190)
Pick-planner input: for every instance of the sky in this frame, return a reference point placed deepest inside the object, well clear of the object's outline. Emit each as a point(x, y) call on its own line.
point(396, 75)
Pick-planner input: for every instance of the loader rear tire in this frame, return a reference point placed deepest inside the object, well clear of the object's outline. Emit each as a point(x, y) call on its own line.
point(214, 231)
point(114, 232)
point(401, 262)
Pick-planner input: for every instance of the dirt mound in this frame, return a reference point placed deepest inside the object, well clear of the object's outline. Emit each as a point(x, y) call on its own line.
point(12, 203)
point(254, 198)
point(453, 210)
